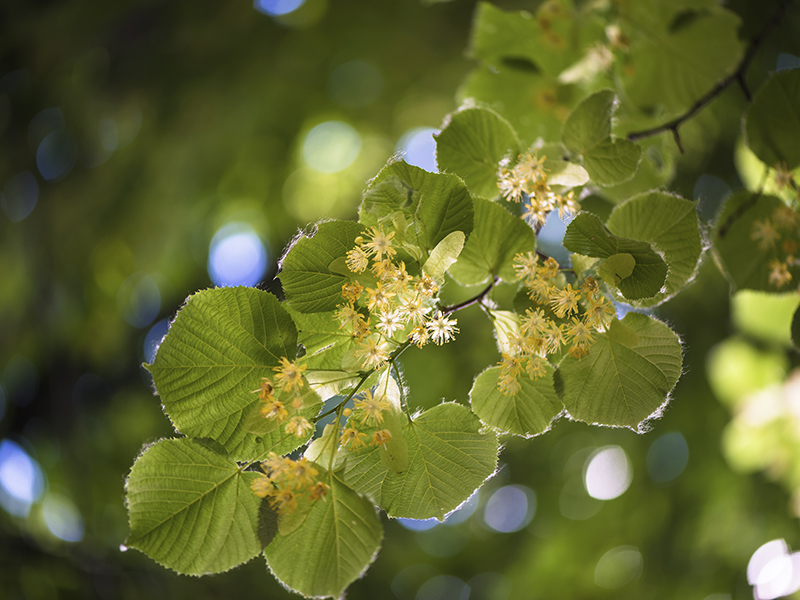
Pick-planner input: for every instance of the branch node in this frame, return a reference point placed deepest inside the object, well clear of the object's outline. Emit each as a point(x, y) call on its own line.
point(743, 85)
point(677, 137)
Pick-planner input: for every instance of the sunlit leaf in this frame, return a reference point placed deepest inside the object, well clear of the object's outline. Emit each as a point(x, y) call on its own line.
point(587, 235)
point(527, 413)
point(308, 282)
point(339, 538)
point(587, 132)
point(221, 344)
point(448, 458)
point(675, 68)
point(490, 250)
point(436, 205)
point(671, 225)
point(472, 144)
point(622, 384)
point(772, 124)
point(191, 508)
point(746, 259)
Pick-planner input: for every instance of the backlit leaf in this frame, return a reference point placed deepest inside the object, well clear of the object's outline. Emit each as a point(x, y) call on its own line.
point(221, 344)
point(772, 124)
point(337, 541)
point(622, 384)
point(472, 144)
point(490, 250)
point(587, 235)
point(671, 225)
point(529, 412)
point(307, 279)
point(191, 508)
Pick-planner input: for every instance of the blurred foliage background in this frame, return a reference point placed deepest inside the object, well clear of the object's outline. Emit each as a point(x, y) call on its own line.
point(146, 149)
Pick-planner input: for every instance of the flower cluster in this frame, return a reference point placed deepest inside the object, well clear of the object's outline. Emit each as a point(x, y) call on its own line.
point(779, 234)
point(392, 305)
point(367, 413)
point(565, 318)
point(285, 480)
point(527, 182)
point(288, 378)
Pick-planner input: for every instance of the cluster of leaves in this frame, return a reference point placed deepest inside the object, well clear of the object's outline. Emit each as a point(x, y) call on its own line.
point(360, 294)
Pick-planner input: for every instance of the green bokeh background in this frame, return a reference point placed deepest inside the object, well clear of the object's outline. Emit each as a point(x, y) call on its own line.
point(212, 102)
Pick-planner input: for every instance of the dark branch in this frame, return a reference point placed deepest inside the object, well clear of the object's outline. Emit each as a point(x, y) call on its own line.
point(453, 308)
point(737, 76)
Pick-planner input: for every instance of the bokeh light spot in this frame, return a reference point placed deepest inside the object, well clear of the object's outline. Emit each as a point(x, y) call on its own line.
point(43, 124)
point(463, 512)
point(510, 508)
point(276, 8)
point(21, 479)
point(617, 567)
point(608, 473)
point(237, 256)
point(773, 571)
point(108, 134)
point(667, 457)
point(418, 524)
point(63, 518)
point(443, 587)
point(139, 300)
point(56, 155)
point(419, 148)
point(490, 585)
point(19, 196)
point(331, 147)
point(153, 339)
point(355, 83)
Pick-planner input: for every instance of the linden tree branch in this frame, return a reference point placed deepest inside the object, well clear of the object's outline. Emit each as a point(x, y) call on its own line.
point(737, 76)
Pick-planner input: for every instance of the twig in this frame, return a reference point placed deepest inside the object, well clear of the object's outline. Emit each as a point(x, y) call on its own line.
point(737, 76)
point(450, 309)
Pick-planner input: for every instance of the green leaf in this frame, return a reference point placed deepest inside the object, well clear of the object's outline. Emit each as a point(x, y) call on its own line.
point(618, 384)
point(436, 205)
point(472, 144)
point(326, 343)
point(221, 344)
point(746, 264)
point(308, 282)
point(532, 103)
point(796, 328)
point(549, 41)
point(444, 254)
point(587, 235)
point(772, 124)
point(676, 68)
point(338, 540)
point(671, 226)
point(191, 508)
point(616, 268)
point(588, 132)
point(612, 162)
point(448, 458)
point(527, 413)
point(589, 125)
point(490, 250)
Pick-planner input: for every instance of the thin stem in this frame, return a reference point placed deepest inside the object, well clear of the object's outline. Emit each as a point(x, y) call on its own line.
point(737, 76)
point(474, 300)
